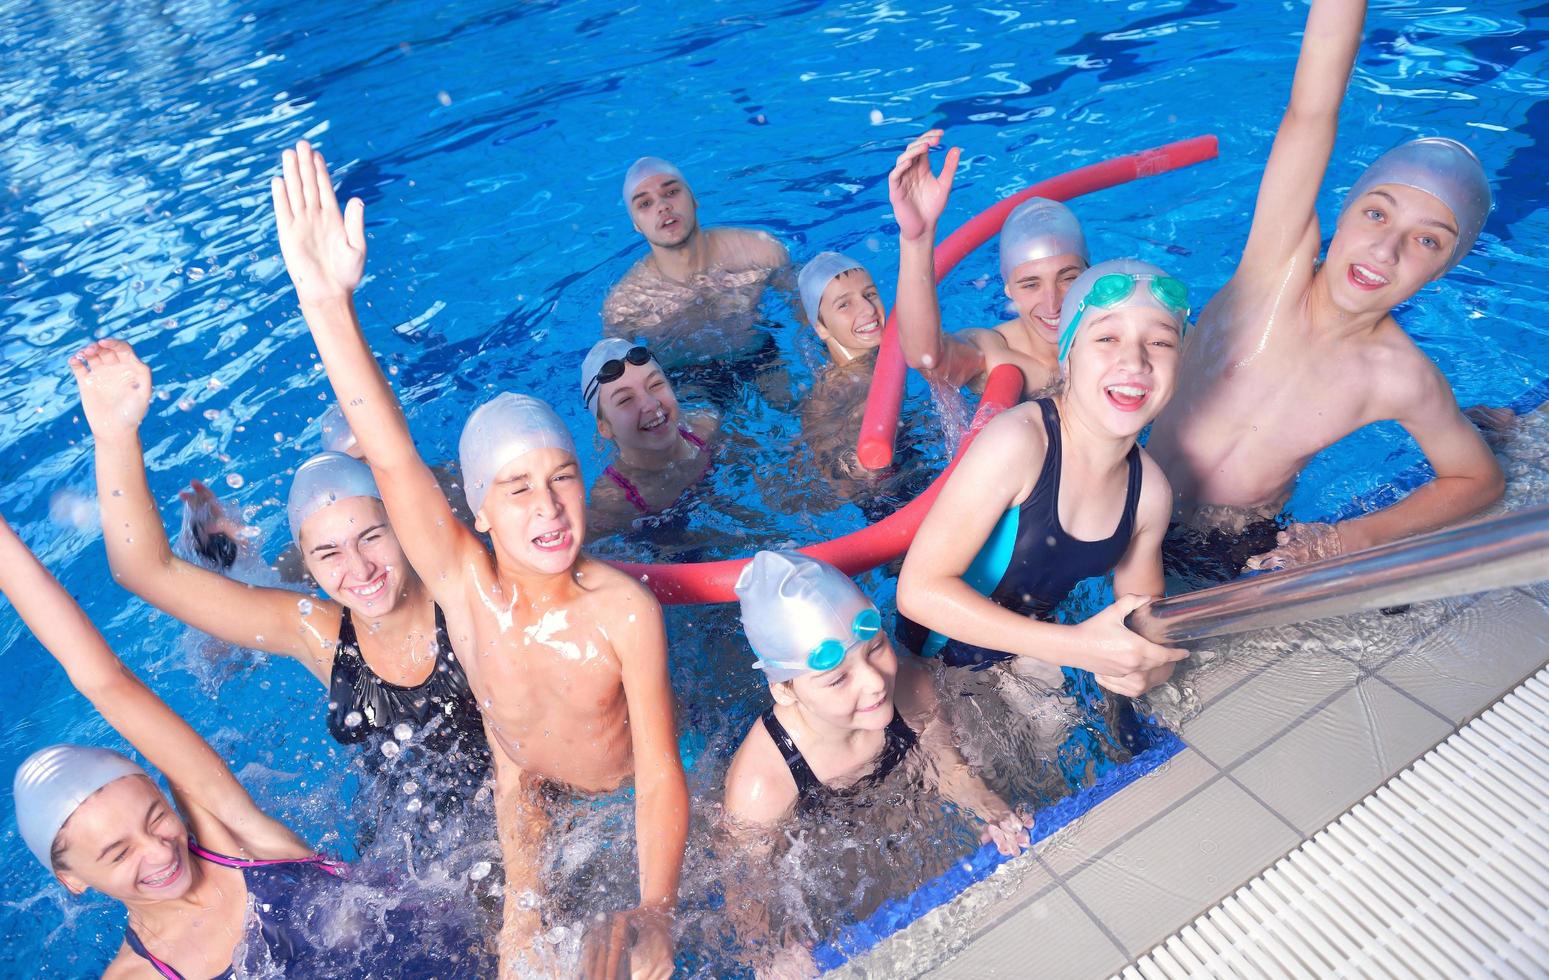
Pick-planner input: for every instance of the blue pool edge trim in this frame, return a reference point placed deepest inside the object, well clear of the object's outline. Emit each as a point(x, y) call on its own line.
point(896, 913)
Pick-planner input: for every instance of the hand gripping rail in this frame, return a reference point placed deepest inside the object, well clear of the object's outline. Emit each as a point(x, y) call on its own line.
point(1495, 553)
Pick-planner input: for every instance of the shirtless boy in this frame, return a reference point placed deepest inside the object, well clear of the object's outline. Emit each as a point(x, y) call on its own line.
point(1293, 355)
point(566, 656)
point(1042, 251)
point(693, 300)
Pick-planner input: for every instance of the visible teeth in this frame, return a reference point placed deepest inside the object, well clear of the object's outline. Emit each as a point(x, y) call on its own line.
point(1128, 391)
point(163, 877)
point(550, 538)
point(367, 590)
point(1366, 275)
point(656, 422)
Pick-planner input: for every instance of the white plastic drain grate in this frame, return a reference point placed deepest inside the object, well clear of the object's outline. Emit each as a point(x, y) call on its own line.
point(1443, 872)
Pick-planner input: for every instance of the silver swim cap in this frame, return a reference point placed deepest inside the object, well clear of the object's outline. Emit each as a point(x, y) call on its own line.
point(644, 168)
point(337, 436)
point(801, 615)
point(1037, 229)
point(1133, 283)
point(504, 428)
point(815, 277)
point(1443, 168)
point(325, 479)
point(605, 350)
point(54, 782)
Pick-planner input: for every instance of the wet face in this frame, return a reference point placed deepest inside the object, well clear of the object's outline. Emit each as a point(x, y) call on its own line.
point(1388, 244)
point(850, 313)
point(354, 556)
point(1038, 288)
point(1122, 367)
point(664, 211)
point(857, 695)
point(127, 842)
point(639, 411)
point(535, 512)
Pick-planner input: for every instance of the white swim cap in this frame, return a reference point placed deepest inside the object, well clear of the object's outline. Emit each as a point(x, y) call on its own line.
point(325, 479)
point(504, 428)
point(801, 615)
point(337, 436)
point(1443, 168)
point(1037, 229)
point(605, 350)
point(53, 782)
point(1160, 291)
point(646, 167)
point(815, 277)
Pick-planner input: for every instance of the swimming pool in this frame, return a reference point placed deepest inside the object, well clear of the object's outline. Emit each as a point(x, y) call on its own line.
point(138, 141)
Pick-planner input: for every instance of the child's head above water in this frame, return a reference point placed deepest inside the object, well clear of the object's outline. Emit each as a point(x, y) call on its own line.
point(626, 389)
point(818, 638)
point(1122, 324)
point(340, 526)
point(97, 820)
point(660, 203)
point(1042, 251)
point(523, 482)
point(842, 303)
point(1411, 217)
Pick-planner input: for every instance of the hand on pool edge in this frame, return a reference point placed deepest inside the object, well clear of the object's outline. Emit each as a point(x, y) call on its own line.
point(1011, 833)
point(324, 249)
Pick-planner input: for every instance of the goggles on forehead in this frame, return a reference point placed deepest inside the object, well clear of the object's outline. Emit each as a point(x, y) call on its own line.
point(1113, 288)
point(826, 655)
point(612, 369)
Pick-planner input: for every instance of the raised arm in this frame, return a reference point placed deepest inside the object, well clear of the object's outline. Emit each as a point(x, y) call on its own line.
point(194, 769)
point(1285, 218)
point(115, 388)
point(932, 592)
point(325, 254)
point(919, 197)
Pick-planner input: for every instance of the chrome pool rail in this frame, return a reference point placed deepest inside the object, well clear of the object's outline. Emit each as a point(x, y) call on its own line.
point(1495, 553)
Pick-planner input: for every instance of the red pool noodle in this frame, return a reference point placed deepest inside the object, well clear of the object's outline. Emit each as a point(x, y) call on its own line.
point(879, 426)
point(712, 581)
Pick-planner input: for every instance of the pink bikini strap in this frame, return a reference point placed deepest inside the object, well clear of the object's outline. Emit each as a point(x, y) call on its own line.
point(688, 435)
point(630, 492)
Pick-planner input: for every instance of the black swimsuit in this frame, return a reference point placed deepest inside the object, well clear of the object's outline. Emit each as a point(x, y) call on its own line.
point(441, 713)
point(811, 793)
point(1030, 564)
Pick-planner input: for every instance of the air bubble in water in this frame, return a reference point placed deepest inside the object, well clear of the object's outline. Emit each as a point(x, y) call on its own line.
point(353, 719)
point(410, 788)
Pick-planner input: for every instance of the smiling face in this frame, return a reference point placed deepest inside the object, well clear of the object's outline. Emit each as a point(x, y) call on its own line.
point(663, 210)
point(535, 512)
point(639, 411)
point(1038, 288)
point(850, 314)
point(1388, 244)
point(354, 556)
point(1122, 367)
point(127, 842)
point(857, 695)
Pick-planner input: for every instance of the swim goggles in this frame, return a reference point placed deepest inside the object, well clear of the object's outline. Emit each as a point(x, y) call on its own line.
point(826, 655)
point(1113, 288)
point(612, 369)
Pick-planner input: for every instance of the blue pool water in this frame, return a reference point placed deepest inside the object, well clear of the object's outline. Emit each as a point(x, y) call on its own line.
point(488, 140)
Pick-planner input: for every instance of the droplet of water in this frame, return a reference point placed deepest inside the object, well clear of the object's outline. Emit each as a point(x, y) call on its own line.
point(304, 606)
point(391, 749)
point(414, 805)
point(479, 871)
point(353, 719)
point(410, 788)
point(876, 117)
point(403, 732)
point(234, 480)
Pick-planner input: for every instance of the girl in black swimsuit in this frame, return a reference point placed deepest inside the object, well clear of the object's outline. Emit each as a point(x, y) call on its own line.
point(375, 638)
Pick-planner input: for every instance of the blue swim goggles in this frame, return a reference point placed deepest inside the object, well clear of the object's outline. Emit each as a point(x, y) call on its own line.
point(1113, 288)
point(828, 654)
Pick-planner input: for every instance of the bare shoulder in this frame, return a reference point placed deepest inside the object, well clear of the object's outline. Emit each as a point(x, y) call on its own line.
point(1156, 494)
point(759, 788)
point(129, 965)
point(704, 423)
point(748, 247)
point(987, 339)
point(618, 599)
point(1405, 381)
point(1018, 429)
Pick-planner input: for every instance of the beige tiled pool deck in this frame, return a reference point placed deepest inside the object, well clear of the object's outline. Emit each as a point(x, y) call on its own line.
point(1282, 739)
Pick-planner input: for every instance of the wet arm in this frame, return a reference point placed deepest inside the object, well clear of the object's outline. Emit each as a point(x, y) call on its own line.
point(1468, 477)
point(123, 700)
point(1285, 220)
point(954, 779)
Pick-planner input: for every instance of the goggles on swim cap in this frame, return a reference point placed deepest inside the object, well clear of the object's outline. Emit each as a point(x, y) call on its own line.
point(325, 479)
point(815, 276)
point(611, 370)
point(502, 429)
point(801, 615)
point(1110, 289)
point(1037, 229)
point(52, 784)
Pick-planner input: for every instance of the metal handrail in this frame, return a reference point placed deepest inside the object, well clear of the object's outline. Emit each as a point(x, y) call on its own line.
point(1495, 553)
